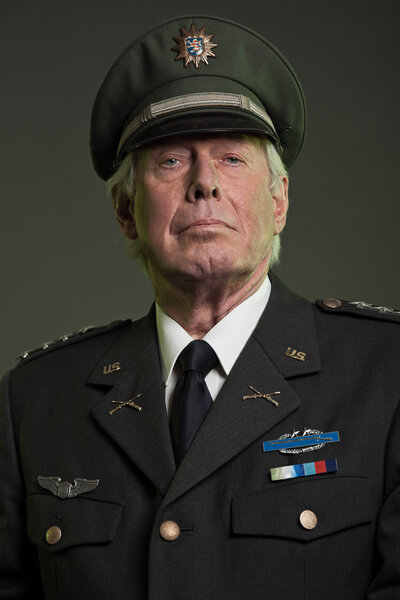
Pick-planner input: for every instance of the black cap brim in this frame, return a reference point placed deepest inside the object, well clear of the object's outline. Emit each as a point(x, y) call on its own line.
point(198, 122)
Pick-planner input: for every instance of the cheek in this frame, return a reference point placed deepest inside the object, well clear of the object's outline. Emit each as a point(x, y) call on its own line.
point(153, 215)
point(258, 217)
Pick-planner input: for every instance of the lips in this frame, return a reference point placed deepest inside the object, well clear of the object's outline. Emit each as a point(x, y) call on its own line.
point(204, 223)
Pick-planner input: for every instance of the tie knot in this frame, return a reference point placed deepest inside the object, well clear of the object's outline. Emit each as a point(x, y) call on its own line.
point(198, 356)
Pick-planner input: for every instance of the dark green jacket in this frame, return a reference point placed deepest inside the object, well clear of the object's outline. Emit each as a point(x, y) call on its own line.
point(240, 533)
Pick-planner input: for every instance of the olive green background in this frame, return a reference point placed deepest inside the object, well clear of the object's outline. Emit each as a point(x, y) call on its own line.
point(63, 263)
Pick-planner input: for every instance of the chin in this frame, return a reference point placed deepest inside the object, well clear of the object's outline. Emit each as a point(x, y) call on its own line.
point(212, 264)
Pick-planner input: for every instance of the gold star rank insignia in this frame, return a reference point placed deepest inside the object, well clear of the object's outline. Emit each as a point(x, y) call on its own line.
point(194, 47)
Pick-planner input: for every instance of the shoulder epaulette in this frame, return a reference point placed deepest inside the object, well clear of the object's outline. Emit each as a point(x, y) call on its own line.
point(358, 308)
point(71, 338)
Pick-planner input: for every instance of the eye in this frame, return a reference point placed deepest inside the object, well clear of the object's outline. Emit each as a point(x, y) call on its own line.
point(170, 162)
point(232, 160)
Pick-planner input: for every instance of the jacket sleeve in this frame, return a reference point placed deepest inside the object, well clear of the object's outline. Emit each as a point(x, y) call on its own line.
point(19, 571)
point(386, 584)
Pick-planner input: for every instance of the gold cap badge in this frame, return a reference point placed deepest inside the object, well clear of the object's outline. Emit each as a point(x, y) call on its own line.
point(194, 46)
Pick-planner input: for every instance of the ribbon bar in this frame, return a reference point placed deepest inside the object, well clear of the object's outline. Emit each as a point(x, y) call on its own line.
point(304, 469)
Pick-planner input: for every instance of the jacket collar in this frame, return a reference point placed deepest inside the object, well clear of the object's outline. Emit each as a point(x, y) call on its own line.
point(286, 331)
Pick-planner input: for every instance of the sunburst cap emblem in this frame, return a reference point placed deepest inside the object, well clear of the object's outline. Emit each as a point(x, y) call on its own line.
point(195, 46)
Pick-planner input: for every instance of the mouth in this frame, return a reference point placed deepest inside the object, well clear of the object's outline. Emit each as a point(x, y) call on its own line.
point(204, 224)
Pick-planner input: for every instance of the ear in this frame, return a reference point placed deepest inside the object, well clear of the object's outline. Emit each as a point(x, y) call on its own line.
point(125, 211)
point(281, 204)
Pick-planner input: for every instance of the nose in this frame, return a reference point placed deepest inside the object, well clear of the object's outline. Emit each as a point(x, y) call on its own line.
point(204, 183)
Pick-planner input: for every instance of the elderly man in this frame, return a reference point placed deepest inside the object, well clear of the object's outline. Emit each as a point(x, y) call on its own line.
point(239, 441)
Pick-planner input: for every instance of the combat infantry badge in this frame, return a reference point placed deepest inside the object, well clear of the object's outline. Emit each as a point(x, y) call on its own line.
point(296, 442)
point(194, 47)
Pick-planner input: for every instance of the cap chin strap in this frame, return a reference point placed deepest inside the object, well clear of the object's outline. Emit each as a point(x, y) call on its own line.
point(189, 101)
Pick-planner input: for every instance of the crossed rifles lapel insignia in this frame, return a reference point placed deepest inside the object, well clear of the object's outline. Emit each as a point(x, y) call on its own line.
point(258, 394)
point(131, 403)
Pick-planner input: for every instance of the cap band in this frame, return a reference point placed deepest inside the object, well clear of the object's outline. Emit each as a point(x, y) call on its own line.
point(188, 101)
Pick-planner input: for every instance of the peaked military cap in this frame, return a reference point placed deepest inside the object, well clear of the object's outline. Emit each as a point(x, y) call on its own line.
point(191, 75)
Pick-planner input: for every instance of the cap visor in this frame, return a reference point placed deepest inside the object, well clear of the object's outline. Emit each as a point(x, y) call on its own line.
point(220, 121)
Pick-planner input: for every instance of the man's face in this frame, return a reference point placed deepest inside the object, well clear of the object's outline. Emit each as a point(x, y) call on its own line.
point(203, 208)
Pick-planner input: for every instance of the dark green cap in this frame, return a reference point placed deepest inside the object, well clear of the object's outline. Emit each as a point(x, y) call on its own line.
point(196, 74)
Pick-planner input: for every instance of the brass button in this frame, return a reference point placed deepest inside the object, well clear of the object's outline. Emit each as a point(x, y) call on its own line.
point(332, 302)
point(53, 535)
point(308, 519)
point(170, 531)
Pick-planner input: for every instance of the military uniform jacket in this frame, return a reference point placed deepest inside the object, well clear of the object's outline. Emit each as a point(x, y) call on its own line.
point(240, 533)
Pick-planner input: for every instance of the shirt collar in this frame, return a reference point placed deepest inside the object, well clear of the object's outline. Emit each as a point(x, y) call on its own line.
point(227, 337)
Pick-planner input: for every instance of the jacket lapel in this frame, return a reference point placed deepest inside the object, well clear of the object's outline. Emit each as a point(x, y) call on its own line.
point(286, 331)
point(265, 364)
point(142, 434)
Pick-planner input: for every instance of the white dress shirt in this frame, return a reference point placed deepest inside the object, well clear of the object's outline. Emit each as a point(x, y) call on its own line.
point(227, 338)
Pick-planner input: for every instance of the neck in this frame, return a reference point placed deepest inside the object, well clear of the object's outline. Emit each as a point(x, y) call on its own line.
point(198, 305)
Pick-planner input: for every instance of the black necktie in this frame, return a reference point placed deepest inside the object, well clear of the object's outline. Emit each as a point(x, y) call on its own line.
point(191, 400)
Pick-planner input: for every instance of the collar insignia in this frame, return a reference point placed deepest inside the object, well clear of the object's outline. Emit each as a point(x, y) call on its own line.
point(258, 394)
point(293, 353)
point(194, 47)
point(131, 403)
point(107, 369)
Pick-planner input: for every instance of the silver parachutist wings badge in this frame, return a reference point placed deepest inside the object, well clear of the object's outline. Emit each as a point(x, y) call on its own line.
point(65, 489)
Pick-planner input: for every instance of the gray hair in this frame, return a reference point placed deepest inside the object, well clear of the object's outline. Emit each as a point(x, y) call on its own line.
point(122, 185)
